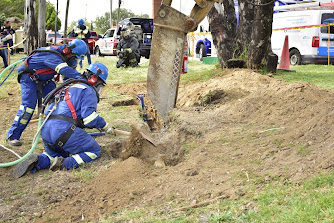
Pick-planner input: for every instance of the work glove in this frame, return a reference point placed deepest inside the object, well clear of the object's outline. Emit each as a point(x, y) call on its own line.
point(120, 54)
point(126, 52)
point(108, 130)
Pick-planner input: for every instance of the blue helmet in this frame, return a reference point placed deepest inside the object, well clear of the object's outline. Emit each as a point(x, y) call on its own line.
point(100, 70)
point(78, 47)
point(81, 22)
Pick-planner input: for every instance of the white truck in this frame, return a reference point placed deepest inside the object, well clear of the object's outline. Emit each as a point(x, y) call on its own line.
point(306, 45)
point(107, 44)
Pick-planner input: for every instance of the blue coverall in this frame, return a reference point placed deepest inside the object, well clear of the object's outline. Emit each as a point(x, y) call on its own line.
point(4, 51)
point(46, 65)
point(80, 145)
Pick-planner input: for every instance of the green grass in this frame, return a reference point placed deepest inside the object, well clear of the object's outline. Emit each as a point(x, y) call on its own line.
point(319, 75)
point(198, 72)
point(84, 174)
point(312, 201)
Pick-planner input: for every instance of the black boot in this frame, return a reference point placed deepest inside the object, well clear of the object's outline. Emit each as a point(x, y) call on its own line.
point(26, 165)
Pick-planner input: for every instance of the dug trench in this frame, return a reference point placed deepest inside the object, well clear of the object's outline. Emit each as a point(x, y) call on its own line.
point(238, 129)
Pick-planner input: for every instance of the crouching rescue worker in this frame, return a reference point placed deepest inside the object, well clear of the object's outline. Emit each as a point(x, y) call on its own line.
point(67, 145)
point(127, 49)
point(35, 77)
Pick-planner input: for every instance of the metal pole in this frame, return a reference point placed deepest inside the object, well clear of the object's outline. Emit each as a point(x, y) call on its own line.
point(119, 8)
point(56, 24)
point(329, 43)
point(111, 14)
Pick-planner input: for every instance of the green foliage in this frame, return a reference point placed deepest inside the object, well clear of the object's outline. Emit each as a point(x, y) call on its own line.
point(10, 8)
point(51, 17)
point(2, 18)
point(103, 22)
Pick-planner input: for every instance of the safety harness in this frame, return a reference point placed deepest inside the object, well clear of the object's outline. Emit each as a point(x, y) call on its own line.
point(61, 141)
point(34, 74)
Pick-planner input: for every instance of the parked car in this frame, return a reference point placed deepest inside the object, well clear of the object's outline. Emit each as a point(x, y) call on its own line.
point(50, 38)
point(91, 40)
point(305, 45)
point(107, 44)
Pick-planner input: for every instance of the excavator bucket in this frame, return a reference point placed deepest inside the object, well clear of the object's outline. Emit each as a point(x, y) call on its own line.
point(169, 36)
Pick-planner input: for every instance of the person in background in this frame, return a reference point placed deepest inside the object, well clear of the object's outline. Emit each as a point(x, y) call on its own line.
point(5, 38)
point(127, 49)
point(81, 31)
point(10, 30)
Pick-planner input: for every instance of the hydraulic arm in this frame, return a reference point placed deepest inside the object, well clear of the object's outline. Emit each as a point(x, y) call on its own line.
point(169, 36)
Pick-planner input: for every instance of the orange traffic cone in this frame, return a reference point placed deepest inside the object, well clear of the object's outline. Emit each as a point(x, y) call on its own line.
point(284, 63)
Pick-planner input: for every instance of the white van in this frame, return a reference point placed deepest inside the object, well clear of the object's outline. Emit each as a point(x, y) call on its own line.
point(305, 45)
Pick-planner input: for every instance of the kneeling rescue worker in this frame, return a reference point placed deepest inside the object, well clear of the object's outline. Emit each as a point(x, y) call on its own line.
point(63, 134)
point(127, 49)
point(35, 77)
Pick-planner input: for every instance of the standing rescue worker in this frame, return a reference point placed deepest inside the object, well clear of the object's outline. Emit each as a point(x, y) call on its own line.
point(81, 31)
point(63, 134)
point(35, 77)
point(10, 30)
point(127, 49)
point(5, 38)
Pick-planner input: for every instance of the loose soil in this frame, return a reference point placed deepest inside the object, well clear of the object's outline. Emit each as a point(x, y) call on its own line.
point(238, 128)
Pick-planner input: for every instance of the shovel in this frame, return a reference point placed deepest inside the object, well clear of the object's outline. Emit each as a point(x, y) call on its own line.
point(121, 132)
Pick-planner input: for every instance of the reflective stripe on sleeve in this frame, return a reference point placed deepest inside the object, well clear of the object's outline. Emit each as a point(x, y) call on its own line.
point(90, 118)
point(129, 49)
point(60, 66)
point(22, 107)
point(50, 157)
point(78, 159)
point(78, 86)
point(16, 118)
point(91, 155)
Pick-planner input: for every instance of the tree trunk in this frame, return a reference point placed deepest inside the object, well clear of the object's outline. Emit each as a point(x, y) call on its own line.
point(260, 46)
point(66, 16)
point(244, 30)
point(41, 23)
point(30, 26)
point(223, 24)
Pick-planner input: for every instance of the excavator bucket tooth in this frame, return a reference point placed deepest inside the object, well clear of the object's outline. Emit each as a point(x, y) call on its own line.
point(166, 59)
point(169, 36)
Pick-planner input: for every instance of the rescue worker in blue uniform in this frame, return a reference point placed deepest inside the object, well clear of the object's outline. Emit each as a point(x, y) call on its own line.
point(63, 134)
point(10, 30)
point(81, 31)
point(35, 77)
point(127, 49)
point(5, 39)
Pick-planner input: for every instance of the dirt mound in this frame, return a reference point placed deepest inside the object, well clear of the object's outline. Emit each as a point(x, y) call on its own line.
point(226, 135)
point(154, 148)
point(113, 188)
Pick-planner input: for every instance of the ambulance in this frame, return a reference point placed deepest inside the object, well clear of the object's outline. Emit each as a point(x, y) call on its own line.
point(308, 41)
